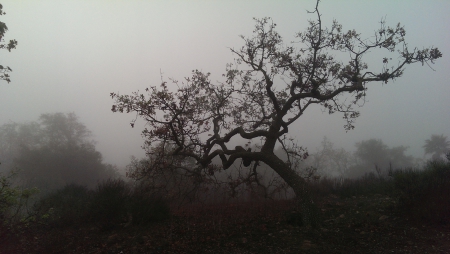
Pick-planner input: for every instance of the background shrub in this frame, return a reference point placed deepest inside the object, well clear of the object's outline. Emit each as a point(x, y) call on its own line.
point(425, 195)
point(64, 207)
point(369, 184)
point(13, 205)
point(147, 208)
point(112, 204)
point(109, 204)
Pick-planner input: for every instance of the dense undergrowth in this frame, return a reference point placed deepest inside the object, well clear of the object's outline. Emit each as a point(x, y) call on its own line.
point(422, 195)
point(112, 204)
point(419, 196)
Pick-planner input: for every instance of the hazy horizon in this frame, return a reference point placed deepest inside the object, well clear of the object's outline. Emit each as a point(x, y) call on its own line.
point(72, 54)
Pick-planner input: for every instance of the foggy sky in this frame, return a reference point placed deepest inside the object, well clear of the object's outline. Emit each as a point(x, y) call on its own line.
point(72, 54)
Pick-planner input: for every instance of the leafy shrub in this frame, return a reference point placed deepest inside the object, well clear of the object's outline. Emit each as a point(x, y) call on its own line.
point(113, 203)
point(13, 204)
point(147, 208)
point(64, 207)
point(109, 204)
point(425, 195)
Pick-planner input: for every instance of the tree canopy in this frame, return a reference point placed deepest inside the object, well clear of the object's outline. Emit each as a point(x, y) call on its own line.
point(267, 89)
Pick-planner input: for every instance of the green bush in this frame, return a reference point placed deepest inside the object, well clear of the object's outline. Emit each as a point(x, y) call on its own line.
point(64, 207)
point(13, 204)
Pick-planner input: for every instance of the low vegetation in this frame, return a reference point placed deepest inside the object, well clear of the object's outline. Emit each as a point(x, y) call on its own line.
point(407, 211)
point(13, 205)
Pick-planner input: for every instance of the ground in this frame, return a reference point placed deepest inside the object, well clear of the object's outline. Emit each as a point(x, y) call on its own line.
point(357, 224)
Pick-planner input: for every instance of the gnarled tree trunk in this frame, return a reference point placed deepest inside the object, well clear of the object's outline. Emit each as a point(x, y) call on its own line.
point(298, 184)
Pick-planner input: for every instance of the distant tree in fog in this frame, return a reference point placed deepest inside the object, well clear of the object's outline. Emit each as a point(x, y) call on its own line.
point(372, 152)
point(4, 70)
point(268, 88)
point(437, 145)
point(373, 155)
point(13, 136)
point(331, 161)
point(53, 152)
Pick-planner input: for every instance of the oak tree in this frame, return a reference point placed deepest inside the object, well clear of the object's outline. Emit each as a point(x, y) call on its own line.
point(267, 89)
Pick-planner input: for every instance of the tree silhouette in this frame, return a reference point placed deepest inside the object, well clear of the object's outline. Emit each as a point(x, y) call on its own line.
point(437, 145)
point(4, 70)
point(374, 154)
point(55, 151)
point(267, 89)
